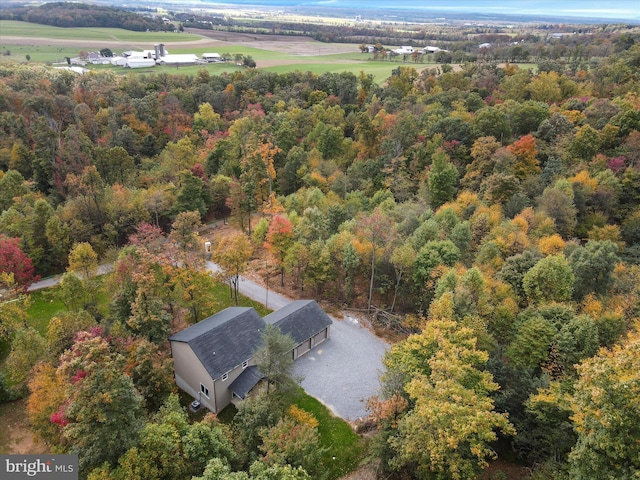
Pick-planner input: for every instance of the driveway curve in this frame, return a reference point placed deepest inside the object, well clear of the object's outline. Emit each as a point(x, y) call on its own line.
point(344, 371)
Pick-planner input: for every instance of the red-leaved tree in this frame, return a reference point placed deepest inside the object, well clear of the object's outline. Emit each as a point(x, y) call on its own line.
point(14, 261)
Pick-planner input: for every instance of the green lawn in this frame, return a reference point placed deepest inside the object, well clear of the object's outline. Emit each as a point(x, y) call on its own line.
point(221, 293)
point(381, 71)
point(37, 53)
point(344, 447)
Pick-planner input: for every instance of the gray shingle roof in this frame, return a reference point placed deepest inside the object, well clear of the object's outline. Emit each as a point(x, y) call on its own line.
point(301, 319)
point(228, 338)
point(224, 340)
point(248, 379)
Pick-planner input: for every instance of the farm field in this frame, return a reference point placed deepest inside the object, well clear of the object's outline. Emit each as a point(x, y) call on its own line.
point(10, 28)
point(274, 53)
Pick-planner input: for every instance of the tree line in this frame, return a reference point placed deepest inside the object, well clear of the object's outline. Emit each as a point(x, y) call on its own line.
point(489, 216)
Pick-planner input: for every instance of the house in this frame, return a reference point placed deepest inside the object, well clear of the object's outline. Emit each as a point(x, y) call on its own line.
point(213, 359)
point(405, 50)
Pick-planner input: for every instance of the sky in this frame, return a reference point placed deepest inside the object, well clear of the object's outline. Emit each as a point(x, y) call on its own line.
point(603, 9)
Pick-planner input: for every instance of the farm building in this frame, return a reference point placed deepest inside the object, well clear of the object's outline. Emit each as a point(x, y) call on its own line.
point(139, 62)
point(212, 57)
point(118, 61)
point(179, 59)
point(431, 49)
point(404, 50)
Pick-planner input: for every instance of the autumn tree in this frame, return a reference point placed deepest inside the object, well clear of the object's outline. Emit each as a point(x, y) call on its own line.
point(149, 317)
point(83, 260)
point(218, 470)
point(192, 289)
point(296, 261)
point(295, 442)
point(104, 414)
point(448, 432)
point(402, 259)
point(13, 261)
point(593, 267)
point(605, 414)
point(170, 447)
point(443, 178)
point(525, 151)
point(62, 330)
point(232, 254)
point(377, 230)
point(267, 151)
point(12, 186)
point(551, 279)
point(151, 370)
point(278, 239)
point(27, 349)
point(255, 413)
point(186, 239)
point(47, 393)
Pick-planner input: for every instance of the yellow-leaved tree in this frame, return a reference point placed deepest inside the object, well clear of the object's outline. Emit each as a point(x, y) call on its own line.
point(449, 431)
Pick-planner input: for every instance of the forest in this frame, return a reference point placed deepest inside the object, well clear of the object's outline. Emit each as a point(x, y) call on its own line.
point(487, 218)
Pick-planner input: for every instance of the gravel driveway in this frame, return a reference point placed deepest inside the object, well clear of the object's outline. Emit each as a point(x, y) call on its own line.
point(343, 372)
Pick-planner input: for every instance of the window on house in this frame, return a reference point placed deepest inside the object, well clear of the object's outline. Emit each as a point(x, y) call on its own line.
point(204, 390)
point(245, 364)
point(224, 376)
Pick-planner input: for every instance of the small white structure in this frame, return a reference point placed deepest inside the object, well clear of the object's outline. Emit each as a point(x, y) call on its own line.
point(212, 57)
point(431, 49)
point(118, 61)
point(484, 45)
point(405, 50)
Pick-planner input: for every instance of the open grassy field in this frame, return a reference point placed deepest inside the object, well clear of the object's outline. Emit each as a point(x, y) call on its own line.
point(10, 28)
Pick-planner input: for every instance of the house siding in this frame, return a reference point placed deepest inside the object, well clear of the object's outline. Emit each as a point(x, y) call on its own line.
point(190, 373)
point(223, 394)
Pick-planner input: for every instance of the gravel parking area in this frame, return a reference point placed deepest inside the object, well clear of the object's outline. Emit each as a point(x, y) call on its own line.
point(344, 371)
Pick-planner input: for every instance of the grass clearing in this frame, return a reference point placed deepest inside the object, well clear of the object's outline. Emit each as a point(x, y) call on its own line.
point(344, 447)
point(37, 53)
point(380, 72)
